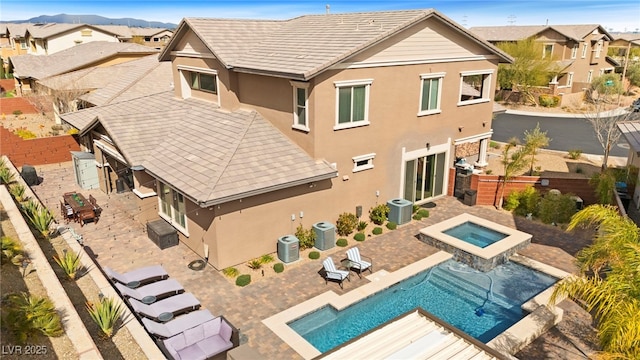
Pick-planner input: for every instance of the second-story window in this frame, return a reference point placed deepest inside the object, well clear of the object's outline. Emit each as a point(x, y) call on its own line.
point(300, 106)
point(203, 82)
point(475, 87)
point(574, 51)
point(430, 93)
point(598, 49)
point(547, 51)
point(352, 99)
point(570, 79)
point(23, 44)
point(584, 50)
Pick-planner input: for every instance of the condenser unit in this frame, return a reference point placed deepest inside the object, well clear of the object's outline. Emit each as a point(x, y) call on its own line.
point(400, 211)
point(288, 248)
point(325, 235)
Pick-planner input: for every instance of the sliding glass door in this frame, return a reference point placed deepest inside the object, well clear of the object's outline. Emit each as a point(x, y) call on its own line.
point(424, 177)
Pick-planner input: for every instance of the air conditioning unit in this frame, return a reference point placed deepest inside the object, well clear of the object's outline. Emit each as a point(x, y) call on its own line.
point(578, 201)
point(325, 235)
point(288, 248)
point(400, 211)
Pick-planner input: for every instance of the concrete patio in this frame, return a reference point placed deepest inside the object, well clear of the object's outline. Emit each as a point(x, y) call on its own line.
point(120, 242)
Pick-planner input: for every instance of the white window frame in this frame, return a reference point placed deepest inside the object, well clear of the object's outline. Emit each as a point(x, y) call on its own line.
point(423, 77)
point(544, 51)
point(365, 160)
point(570, 79)
point(590, 76)
point(486, 87)
point(584, 50)
point(598, 49)
point(296, 125)
point(23, 44)
point(185, 81)
point(352, 83)
point(170, 217)
point(574, 51)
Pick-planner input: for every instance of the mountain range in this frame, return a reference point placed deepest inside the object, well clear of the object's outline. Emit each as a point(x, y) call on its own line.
point(93, 20)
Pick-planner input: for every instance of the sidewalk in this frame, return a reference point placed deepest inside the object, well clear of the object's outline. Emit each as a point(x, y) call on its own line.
point(614, 112)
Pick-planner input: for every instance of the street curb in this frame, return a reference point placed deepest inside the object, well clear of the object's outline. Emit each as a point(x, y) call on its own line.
point(618, 111)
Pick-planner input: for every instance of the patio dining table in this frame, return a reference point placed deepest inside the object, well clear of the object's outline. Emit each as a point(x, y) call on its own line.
point(82, 208)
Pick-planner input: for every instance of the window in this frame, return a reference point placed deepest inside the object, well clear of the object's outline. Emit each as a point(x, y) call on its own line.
point(570, 79)
point(475, 87)
point(300, 106)
point(352, 103)
point(574, 51)
point(547, 51)
point(203, 82)
point(86, 32)
point(590, 76)
point(430, 93)
point(363, 162)
point(172, 207)
point(23, 44)
point(598, 49)
point(155, 39)
point(584, 50)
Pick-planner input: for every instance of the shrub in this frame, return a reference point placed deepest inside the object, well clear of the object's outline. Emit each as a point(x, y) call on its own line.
point(11, 250)
point(548, 100)
point(346, 223)
point(377, 230)
point(575, 154)
point(556, 208)
point(489, 172)
point(307, 237)
point(378, 214)
point(25, 133)
point(362, 225)
point(342, 242)
point(391, 225)
point(230, 272)
point(106, 314)
point(523, 202)
point(423, 212)
point(604, 184)
point(278, 268)
point(30, 315)
point(17, 191)
point(314, 255)
point(359, 237)
point(6, 176)
point(494, 145)
point(417, 217)
point(70, 263)
point(415, 208)
point(39, 216)
point(255, 264)
point(243, 280)
point(265, 259)
point(17, 112)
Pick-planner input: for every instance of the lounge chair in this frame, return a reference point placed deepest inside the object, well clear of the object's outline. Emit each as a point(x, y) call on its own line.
point(168, 307)
point(356, 262)
point(178, 324)
point(158, 290)
point(137, 277)
point(333, 274)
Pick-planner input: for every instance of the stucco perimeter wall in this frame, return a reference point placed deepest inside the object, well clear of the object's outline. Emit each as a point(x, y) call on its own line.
point(48, 150)
point(489, 185)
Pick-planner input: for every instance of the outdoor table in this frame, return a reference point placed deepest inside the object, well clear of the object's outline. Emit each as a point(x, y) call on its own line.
point(82, 208)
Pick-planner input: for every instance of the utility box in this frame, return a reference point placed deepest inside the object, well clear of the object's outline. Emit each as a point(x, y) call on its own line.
point(29, 175)
point(85, 170)
point(162, 234)
point(400, 211)
point(470, 197)
point(288, 248)
point(325, 235)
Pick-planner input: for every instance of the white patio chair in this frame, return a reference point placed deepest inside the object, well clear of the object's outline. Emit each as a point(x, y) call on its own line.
point(332, 273)
point(357, 263)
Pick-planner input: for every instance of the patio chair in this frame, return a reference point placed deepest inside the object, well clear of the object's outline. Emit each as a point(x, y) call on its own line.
point(356, 262)
point(158, 290)
point(138, 277)
point(177, 324)
point(67, 212)
point(333, 274)
point(96, 208)
point(174, 305)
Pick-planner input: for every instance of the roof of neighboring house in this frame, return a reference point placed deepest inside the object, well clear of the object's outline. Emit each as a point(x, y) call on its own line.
point(626, 36)
point(122, 31)
point(43, 31)
point(15, 30)
point(219, 155)
point(631, 132)
point(303, 47)
point(519, 32)
point(74, 58)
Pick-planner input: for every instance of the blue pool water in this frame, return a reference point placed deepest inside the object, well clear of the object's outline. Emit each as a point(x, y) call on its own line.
point(475, 234)
point(482, 305)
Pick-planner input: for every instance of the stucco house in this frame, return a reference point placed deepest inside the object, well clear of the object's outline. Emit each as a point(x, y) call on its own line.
point(631, 132)
point(580, 51)
point(276, 123)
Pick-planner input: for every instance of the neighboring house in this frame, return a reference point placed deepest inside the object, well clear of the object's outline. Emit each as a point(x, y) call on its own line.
point(48, 39)
point(580, 51)
point(12, 42)
point(623, 44)
point(28, 69)
point(154, 37)
point(275, 124)
point(631, 132)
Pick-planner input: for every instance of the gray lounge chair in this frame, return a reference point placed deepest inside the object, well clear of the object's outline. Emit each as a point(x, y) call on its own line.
point(158, 290)
point(164, 310)
point(356, 261)
point(332, 273)
point(178, 324)
point(137, 277)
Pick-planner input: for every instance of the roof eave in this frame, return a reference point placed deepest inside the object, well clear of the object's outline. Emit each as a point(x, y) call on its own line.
point(165, 55)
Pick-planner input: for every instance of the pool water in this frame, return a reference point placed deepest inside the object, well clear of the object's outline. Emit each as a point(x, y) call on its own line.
point(482, 305)
point(475, 234)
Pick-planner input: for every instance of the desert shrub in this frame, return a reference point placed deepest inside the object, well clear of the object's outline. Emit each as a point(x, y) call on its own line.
point(555, 208)
point(359, 237)
point(254, 264)
point(266, 258)
point(70, 263)
point(376, 230)
point(415, 208)
point(314, 255)
point(362, 225)
point(489, 172)
point(548, 100)
point(27, 316)
point(17, 112)
point(243, 280)
point(230, 272)
point(6, 176)
point(17, 191)
point(346, 223)
point(11, 250)
point(39, 216)
point(307, 237)
point(342, 242)
point(278, 268)
point(575, 154)
point(25, 133)
point(391, 225)
point(378, 214)
point(523, 202)
point(105, 314)
point(417, 217)
point(494, 145)
point(604, 185)
point(423, 212)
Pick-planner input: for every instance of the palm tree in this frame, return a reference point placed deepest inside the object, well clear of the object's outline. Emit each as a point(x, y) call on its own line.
point(609, 284)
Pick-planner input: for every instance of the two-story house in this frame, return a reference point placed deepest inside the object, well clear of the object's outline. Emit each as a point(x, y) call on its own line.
point(580, 51)
point(272, 124)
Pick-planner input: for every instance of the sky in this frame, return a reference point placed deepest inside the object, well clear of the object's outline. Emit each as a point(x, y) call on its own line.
point(613, 15)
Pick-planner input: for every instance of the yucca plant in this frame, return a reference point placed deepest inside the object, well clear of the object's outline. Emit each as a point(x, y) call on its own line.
point(17, 191)
point(362, 225)
point(255, 264)
point(28, 315)
point(106, 314)
point(40, 217)
point(12, 250)
point(70, 263)
point(6, 176)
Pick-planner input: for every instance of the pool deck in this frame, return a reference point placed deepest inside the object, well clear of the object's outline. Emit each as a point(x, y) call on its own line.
point(120, 242)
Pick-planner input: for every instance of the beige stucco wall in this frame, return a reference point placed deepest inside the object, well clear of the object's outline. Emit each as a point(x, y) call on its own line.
point(67, 40)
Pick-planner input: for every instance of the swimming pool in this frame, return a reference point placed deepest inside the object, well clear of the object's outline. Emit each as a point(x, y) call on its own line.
point(475, 234)
point(482, 305)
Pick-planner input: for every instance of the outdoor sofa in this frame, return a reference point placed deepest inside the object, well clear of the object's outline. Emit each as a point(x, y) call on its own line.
point(204, 341)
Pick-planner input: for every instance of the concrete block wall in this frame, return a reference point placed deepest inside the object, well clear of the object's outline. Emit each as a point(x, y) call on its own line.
point(40, 151)
point(9, 105)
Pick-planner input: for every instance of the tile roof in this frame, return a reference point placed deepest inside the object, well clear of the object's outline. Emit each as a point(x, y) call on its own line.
point(304, 46)
point(43, 31)
point(519, 32)
point(219, 155)
point(631, 132)
point(15, 30)
point(79, 56)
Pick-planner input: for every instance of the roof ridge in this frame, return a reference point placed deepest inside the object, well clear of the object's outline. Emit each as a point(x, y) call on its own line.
point(131, 84)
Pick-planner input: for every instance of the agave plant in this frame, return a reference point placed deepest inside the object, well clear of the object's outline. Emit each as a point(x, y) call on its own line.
point(255, 264)
point(106, 314)
point(40, 217)
point(70, 263)
point(6, 176)
point(12, 250)
point(17, 191)
point(28, 315)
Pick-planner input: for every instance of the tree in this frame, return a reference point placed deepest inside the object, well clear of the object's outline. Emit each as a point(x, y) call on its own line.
point(529, 68)
point(609, 284)
point(512, 164)
point(534, 140)
point(633, 75)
